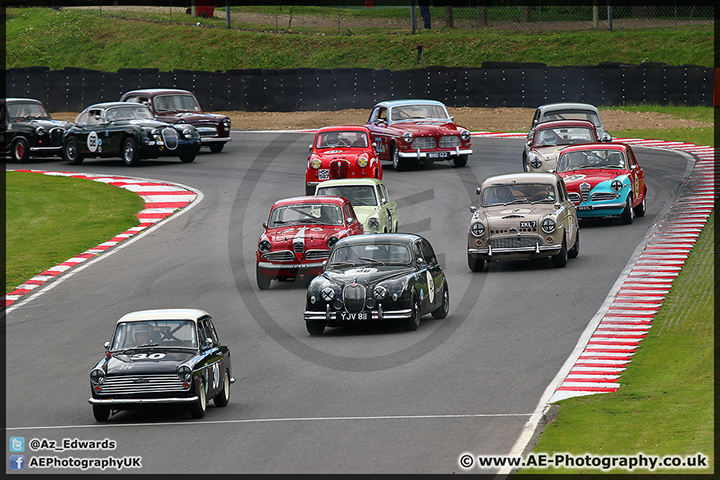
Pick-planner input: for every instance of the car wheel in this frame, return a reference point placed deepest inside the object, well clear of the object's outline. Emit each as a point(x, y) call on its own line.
point(199, 407)
point(187, 157)
point(263, 281)
point(575, 250)
point(475, 264)
point(315, 327)
point(628, 215)
point(21, 151)
point(460, 161)
point(130, 152)
point(561, 259)
point(101, 412)
point(442, 311)
point(223, 397)
point(309, 190)
point(640, 209)
point(525, 166)
point(217, 147)
point(398, 163)
point(71, 152)
point(413, 322)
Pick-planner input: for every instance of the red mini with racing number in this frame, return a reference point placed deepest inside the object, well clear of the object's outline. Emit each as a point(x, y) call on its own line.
point(341, 152)
point(299, 234)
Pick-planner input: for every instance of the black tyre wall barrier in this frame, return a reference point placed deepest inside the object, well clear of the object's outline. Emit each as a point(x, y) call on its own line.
point(497, 84)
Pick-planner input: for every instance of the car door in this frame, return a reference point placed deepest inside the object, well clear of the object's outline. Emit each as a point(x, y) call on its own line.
point(208, 363)
point(637, 176)
point(433, 278)
point(390, 207)
point(377, 124)
point(566, 215)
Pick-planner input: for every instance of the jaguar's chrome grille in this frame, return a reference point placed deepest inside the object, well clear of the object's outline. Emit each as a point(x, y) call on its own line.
point(281, 256)
point(354, 297)
point(423, 143)
point(317, 254)
point(130, 384)
point(170, 136)
point(513, 242)
point(585, 191)
point(574, 197)
point(449, 142)
point(604, 196)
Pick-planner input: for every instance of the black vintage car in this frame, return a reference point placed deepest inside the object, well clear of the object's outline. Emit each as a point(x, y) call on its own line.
point(377, 278)
point(129, 131)
point(162, 356)
point(29, 129)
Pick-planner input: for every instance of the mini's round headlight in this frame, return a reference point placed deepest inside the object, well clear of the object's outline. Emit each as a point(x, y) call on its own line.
point(187, 132)
point(477, 229)
point(407, 137)
point(315, 163)
point(184, 372)
point(536, 162)
point(380, 293)
point(97, 376)
point(374, 223)
point(363, 162)
point(548, 225)
point(332, 241)
point(327, 294)
point(465, 135)
point(264, 246)
point(616, 185)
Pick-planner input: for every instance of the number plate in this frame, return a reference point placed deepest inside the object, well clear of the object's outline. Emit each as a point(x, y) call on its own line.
point(584, 207)
point(528, 224)
point(353, 316)
point(438, 154)
point(324, 175)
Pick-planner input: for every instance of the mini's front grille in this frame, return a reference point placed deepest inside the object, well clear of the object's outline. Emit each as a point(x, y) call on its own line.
point(513, 242)
point(281, 256)
point(298, 246)
point(574, 197)
point(449, 142)
point(423, 143)
point(170, 136)
point(354, 297)
point(604, 196)
point(585, 191)
point(317, 254)
point(339, 169)
point(138, 384)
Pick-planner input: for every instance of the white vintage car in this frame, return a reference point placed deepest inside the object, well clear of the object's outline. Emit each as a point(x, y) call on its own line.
point(369, 199)
point(522, 215)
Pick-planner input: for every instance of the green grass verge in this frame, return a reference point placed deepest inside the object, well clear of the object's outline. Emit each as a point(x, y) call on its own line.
point(50, 219)
point(86, 39)
point(665, 405)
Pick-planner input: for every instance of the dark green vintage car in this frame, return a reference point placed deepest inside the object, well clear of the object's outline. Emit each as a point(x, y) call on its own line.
point(128, 131)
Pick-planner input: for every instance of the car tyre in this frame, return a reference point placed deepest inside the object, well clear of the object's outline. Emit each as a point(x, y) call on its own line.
point(199, 407)
point(412, 323)
point(442, 311)
point(398, 163)
point(475, 264)
point(315, 327)
point(263, 281)
point(561, 259)
point(575, 250)
point(101, 412)
point(21, 151)
point(223, 397)
point(217, 147)
point(628, 214)
point(130, 152)
point(640, 209)
point(71, 152)
point(188, 157)
point(460, 161)
point(309, 190)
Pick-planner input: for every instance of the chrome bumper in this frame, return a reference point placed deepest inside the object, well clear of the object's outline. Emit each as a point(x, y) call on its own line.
point(489, 251)
point(204, 140)
point(450, 154)
point(290, 266)
point(135, 401)
point(375, 315)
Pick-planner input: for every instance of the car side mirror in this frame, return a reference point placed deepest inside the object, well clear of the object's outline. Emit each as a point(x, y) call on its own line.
point(310, 147)
point(473, 209)
point(605, 137)
point(558, 206)
point(208, 342)
point(477, 191)
point(265, 225)
point(383, 201)
point(106, 345)
point(420, 262)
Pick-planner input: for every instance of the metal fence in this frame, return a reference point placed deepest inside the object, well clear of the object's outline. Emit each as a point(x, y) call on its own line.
point(401, 16)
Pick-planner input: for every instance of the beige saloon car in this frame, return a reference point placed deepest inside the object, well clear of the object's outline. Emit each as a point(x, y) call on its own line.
point(522, 215)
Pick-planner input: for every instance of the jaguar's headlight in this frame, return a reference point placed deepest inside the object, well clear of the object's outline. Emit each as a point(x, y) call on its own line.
point(380, 293)
point(407, 137)
point(477, 229)
point(315, 163)
point(616, 185)
point(548, 225)
point(184, 373)
point(332, 241)
point(187, 132)
point(97, 376)
point(374, 223)
point(363, 162)
point(327, 294)
point(465, 135)
point(155, 133)
point(264, 246)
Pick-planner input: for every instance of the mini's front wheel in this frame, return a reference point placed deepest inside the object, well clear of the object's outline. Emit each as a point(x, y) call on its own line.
point(101, 412)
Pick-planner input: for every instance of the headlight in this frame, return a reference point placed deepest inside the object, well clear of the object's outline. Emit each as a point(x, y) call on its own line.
point(374, 223)
point(407, 137)
point(548, 225)
point(187, 132)
point(184, 373)
point(332, 241)
point(226, 123)
point(362, 162)
point(264, 246)
point(315, 163)
point(465, 135)
point(477, 229)
point(327, 294)
point(155, 133)
point(380, 293)
point(535, 161)
point(616, 185)
point(97, 376)
point(39, 130)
